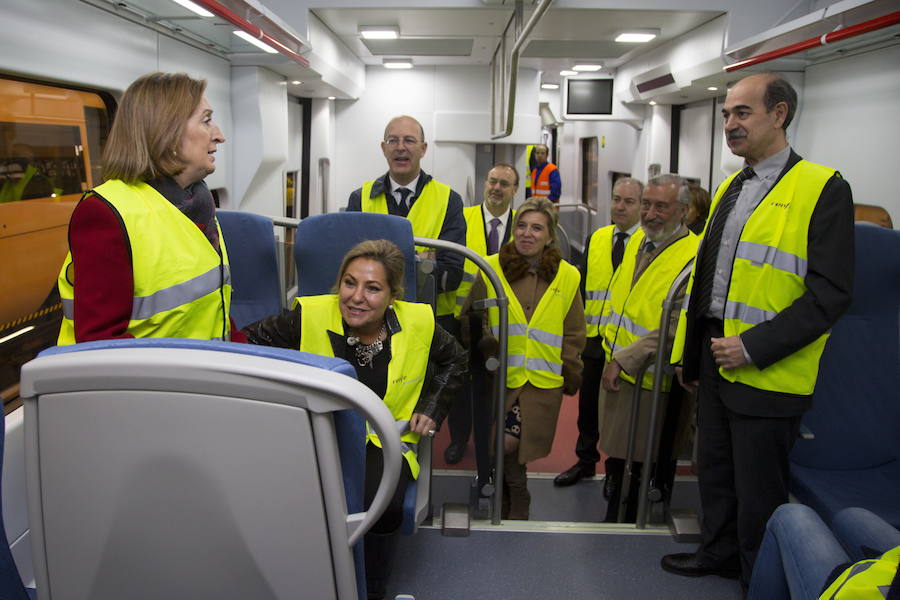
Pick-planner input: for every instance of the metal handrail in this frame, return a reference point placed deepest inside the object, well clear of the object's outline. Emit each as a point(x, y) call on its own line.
point(514, 67)
point(502, 303)
point(660, 363)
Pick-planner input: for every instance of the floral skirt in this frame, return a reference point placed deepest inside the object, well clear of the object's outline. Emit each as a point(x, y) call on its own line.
point(514, 421)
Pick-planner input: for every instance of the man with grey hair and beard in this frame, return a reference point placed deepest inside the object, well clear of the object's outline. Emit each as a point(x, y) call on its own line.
point(631, 334)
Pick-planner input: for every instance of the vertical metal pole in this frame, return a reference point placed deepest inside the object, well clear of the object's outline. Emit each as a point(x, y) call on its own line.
point(661, 361)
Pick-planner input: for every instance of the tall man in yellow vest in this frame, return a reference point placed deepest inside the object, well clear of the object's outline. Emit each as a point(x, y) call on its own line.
point(603, 252)
point(434, 210)
point(489, 225)
point(773, 274)
point(631, 335)
point(545, 180)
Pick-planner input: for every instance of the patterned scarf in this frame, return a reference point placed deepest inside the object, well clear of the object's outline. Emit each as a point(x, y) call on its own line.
point(195, 202)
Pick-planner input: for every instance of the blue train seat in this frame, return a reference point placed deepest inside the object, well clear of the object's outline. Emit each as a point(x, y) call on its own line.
point(854, 459)
point(323, 240)
point(320, 245)
point(256, 286)
point(167, 468)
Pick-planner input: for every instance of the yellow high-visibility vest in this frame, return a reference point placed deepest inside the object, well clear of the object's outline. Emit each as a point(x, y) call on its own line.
point(475, 240)
point(182, 286)
point(768, 275)
point(868, 579)
point(427, 217)
point(636, 311)
point(599, 276)
point(409, 357)
point(535, 347)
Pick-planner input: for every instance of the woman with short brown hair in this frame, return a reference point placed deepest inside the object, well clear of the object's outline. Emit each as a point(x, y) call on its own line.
point(146, 258)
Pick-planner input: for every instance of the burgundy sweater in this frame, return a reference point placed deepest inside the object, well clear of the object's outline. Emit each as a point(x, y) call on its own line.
point(105, 287)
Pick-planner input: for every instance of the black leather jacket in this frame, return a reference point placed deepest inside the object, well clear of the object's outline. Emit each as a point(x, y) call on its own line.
point(447, 360)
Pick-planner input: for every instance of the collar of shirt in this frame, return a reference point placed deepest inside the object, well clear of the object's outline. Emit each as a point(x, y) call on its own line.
point(663, 242)
point(411, 185)
point(768, 169)
point(628, 232)
point(504, 219)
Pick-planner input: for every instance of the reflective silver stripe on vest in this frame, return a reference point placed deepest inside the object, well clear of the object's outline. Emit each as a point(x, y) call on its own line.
point(687, 302)
point(514, 329)
point(747, 314)
point(515, 360)
point(545, 337)
point(628, 325)
point(542, 364)
point(68, 307)
point(460, 300)
point(593, 319)
point(470, 277)
point(597, 294)
point(177, 295)
point(770, 255)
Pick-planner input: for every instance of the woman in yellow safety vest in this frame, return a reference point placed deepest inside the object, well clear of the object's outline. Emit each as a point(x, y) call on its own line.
point(146, 256)
point(398, 351)
point(546, 336)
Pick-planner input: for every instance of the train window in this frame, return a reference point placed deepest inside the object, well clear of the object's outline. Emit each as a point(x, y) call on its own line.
point(51, 140)
point(40, 161)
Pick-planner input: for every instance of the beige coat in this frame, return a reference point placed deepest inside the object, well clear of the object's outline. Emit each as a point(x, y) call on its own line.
point(540, 407)
point(615, 407)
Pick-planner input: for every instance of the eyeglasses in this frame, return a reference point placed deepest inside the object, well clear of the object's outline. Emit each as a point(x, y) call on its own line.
point(394, 141)
point(501, 182)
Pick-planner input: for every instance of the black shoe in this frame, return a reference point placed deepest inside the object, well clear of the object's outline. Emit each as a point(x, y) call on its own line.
point(691, 565)
point(572, 475)
point(454, 453)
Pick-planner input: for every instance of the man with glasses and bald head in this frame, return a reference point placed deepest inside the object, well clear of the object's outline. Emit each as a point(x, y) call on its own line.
point(434, 210)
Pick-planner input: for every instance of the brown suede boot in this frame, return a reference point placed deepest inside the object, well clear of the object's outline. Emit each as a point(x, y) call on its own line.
point(515, 478)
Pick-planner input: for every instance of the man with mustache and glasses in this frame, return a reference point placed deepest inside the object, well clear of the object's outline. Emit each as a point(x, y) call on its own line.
point(434, 210)
point(631, 334)
point(773, 273)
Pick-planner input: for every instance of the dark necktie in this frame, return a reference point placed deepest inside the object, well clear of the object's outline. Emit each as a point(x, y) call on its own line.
point(649, 247)
point(707, 269)
point(618, 250)
point(404, 194)
point(493, 239)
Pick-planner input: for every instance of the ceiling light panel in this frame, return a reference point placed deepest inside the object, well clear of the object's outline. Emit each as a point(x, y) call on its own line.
point(637, 36)
point(587, 68)
point(397, 63)
point(379, 32)
point(258, 43)
point(194, 8)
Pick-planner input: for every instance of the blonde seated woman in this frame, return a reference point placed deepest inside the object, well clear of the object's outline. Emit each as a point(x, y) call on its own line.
point(397, 350)
point(546, 337)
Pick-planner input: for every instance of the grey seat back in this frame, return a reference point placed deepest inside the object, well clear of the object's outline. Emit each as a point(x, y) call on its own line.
point(173, 472)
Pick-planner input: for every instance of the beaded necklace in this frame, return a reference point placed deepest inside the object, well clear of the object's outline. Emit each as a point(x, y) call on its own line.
point(366, 352)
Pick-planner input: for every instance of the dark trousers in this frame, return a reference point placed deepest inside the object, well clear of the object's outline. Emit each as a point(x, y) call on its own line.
point(588, 408)
point(379, 542)
point(459, 418)
point(483, 409)
point(743, 471)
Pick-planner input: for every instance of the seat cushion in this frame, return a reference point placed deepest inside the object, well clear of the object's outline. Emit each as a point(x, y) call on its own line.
point(827, 491)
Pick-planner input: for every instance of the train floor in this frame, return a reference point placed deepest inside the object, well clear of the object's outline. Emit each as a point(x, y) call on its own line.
point(562, 553)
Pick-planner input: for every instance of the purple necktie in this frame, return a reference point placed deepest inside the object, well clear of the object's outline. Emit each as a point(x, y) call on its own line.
point(493, 239)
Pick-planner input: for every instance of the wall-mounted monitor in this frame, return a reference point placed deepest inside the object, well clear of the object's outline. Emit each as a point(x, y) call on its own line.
point(587, 98)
